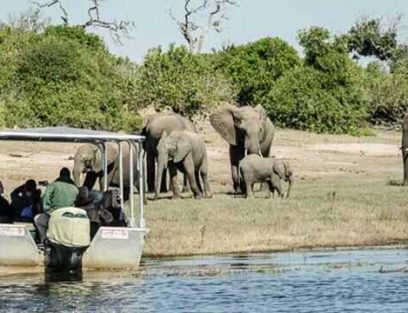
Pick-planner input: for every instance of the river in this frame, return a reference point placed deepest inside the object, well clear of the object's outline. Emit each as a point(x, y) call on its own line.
point(335, 281)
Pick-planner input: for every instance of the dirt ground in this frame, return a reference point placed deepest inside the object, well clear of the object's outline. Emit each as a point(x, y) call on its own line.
point(356, 169)
point(316, 156)
point(311, 156)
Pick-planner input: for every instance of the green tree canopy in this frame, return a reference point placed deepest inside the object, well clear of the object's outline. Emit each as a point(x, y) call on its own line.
point(186, 82)
point(63, 76)
point(325, 94)
point(254, 68)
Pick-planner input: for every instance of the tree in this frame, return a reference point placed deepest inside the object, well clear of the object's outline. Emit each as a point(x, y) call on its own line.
point(253, 68)
point(117, 29)
point(369, 37)
point(325, 94)
point(186, 82)
point(199, 18)
point(64, 76)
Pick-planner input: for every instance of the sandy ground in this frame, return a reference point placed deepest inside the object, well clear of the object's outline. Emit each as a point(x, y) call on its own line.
point(311, 156)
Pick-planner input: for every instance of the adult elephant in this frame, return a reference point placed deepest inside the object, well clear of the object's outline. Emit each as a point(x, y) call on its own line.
point(88, 161)
point(153, 128)
point(248, 130)
point(185, 151)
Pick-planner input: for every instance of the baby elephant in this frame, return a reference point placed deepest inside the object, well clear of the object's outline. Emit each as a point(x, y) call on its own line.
point(254, 168)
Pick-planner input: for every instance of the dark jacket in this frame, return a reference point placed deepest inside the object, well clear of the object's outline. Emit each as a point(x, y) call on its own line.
point(20, 200)
point(6, 211)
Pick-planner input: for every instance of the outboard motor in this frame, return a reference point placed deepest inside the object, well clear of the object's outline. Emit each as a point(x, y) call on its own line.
point(68, 237)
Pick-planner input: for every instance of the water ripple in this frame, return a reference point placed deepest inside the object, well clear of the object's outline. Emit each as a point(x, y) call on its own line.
point(346, 281)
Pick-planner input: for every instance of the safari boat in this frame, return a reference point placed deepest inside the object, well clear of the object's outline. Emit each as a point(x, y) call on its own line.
point(111, 247)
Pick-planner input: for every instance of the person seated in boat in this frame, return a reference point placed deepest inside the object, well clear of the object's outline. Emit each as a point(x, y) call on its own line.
point(6, 211)
point(90, 202)
point(111, 211)
point(61, 193)
point(26, 201)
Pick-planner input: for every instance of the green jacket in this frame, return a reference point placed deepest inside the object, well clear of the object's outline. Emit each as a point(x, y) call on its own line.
point(61, 193)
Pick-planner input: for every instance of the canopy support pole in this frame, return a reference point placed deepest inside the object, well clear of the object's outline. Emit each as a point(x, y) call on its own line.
point(142, 223)
point(121, 174)
point(105, 166)
point(131, 180)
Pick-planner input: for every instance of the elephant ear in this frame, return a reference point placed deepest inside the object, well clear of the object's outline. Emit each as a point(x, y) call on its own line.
point(183, 147)
point(222, 120)
point(279, 169)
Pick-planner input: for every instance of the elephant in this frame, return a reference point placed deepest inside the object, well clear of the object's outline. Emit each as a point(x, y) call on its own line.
point(153, 127)
point(404, 149)
point(248, 130)
point(185, 151)
point(254, 168)
point(88, 160)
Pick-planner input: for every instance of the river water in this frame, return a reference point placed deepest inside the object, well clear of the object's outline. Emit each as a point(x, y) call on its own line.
point(336, 281)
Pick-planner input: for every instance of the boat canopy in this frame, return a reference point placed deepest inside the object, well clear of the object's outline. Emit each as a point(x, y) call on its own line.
point(65, 134)
point(100, 138)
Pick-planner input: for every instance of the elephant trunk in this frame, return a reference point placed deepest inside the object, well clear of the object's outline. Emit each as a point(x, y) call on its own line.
point(77, 173)
point(252, 145)
point(162, 164)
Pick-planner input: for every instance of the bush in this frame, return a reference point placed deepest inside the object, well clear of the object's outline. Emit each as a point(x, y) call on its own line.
point(325, 94)
point(387, 94)
point(301, 101)
point(253, 68)
point(64, 76)
point(185, 82)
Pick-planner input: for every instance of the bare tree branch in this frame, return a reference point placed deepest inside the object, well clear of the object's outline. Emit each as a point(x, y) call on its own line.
point(192, 26)
point(49, 4)
point(117, 29)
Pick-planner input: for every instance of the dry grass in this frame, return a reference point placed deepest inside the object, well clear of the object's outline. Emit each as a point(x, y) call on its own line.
point(340, 197)
point(321, 213)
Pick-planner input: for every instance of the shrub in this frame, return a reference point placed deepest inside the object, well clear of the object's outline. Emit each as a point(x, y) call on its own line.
point(181, 80)
point(387, 94)
point(253, 68)
point(300, 100)
point(325, 94)
point(64, 76)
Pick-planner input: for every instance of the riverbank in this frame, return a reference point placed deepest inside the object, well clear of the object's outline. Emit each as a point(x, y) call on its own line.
point(340, 196)
point(329, 213)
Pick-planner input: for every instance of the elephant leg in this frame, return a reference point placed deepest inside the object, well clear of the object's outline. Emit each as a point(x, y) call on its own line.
point(90, 180)
point(204, 177)
point(237, 153)
point(271, 190)
point(198, 178)
point(189, 170)
point(405, 165)
point(150, 169)
point(249, 185)
point(276, 183)
point(186, 185)
point(173, 181)
point(163, 187)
